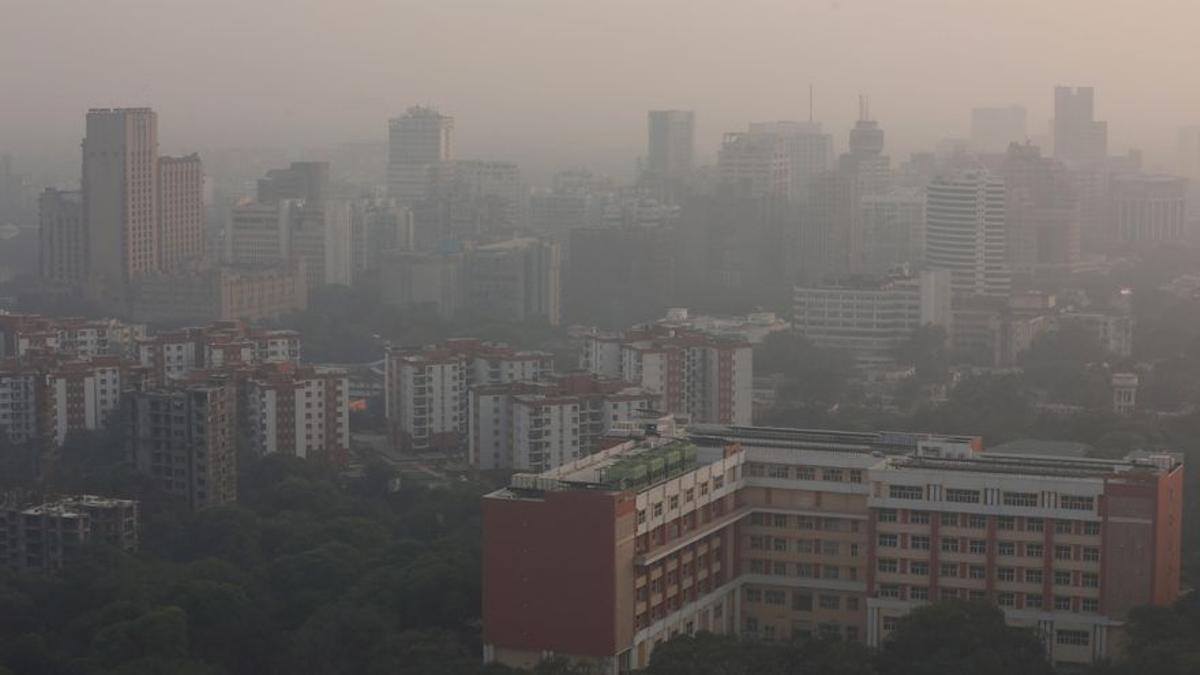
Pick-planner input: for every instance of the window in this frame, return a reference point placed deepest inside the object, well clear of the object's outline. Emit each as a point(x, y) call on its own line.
point(950, 520)
point(1006, 548)
point(804, 546)
point(804, 570)
point(1090, 605)
point(856, 475)
point(1062, 603)
point(889, 622)
point(1033, 576)
point(718, 482)
point(641, 516)
point(780, 544)
point(1006, 523)
point(919, 568)
point(888, 565)
point(1077, 638)
point(949, 569)
point(949, 545)
point(1035, 525)
point(1090, 580)
point(887, 515)
point(777, 471)
point(829, 548)
point(918, 593)
point(977, 546)
point(779, 520)
point(1064, 527)
point(1091, 554)
point(805, 523)
point(888, 540)
point(756, 543)
point(831, 525)
point(1062, 552)
point(1026, 499)
point(889, 590)
point(753, 595)
point(919, 542)
point(853, 550)
point(829, 601)
point(834, 475)
point(1033, 600)
point(673, 502)
point(906, 492)
point(689, 495)
point(948, 594)
point(1034, 550)
point(1091, 529)
point(779, 568)
point(1006, 574)
point(657, 509)
point(775, 597)
point(976, 522)
point(851, 603)
point(802, 602)
point(830, 572)
point(1062, 578)
point(1075, 503)
point(962, 496)
point(977, 572)
point(758, 566)
point(805, 473)
point(1006, 599)
point(918, 517)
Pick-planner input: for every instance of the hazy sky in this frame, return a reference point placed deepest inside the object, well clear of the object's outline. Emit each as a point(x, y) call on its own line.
point(567, 82)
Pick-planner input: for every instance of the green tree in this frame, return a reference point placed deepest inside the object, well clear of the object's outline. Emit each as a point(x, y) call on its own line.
point(955, 637)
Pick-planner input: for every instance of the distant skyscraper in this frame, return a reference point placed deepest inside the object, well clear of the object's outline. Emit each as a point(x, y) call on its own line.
point(893, 229)
point(992, 129)
point(1078, 137)
point(62, 242)
point(308, 181)
point(754, 165)
point(965, 233)
point(418, 143)
point(120, 198)
point(1042, 213)
point(1148, 209)
point(866, 161)
point(809, 150)
point(671, 143)
point(1189, 166)
point(182, 238)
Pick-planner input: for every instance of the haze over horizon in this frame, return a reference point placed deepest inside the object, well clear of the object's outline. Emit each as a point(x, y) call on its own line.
point(557, 83)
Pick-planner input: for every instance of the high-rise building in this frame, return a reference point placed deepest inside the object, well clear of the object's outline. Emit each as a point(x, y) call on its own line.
point(809, 150)
point(120, 199)
point(1189, 166)
point(1078, 136)
point(1148, 209)
point(754, 165)
point(670, 144)
point(419, 143)
point(306, 181)
point(893, 226)
point(965, 232)
point(184, 438)
point(1042, 212)
point(62, 242)
point(993, 129)
point(44, 537)
point(258, 232)
point(781, 534)
point(182, 237)
point(865, 162)
point(703, 376)
point(433, 281)
point(515, 280)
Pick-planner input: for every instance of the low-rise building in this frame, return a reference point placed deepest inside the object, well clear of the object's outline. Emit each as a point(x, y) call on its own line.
point(44, 536)
point(302, 411)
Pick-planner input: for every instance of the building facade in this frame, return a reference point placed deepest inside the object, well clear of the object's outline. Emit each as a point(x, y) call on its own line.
point(62, 241)
point(965, 232)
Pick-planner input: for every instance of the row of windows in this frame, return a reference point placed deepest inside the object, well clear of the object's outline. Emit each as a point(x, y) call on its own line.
point(801, 601)
point(1010, 574)
point(1060, 603)
point(1020, 499)
point(803, 570)
point(979, 522)
point(833, 475)
point(689, 495)
point(816, 546)
point(783, 520)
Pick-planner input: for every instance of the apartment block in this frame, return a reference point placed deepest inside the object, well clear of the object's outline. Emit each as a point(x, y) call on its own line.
point(43, 537)
point(821, 533)
point(62, 242)
point(703, 376)
point(185, 438)
point(427, 389)
point(175, 354)
point(25, 334)
point(302, 411)
point(535, 426)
